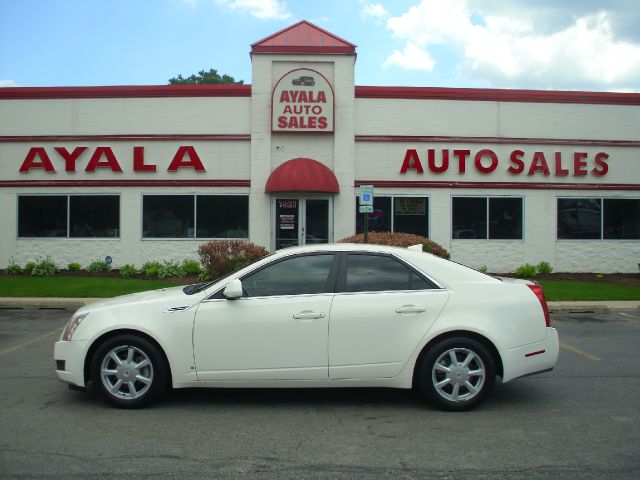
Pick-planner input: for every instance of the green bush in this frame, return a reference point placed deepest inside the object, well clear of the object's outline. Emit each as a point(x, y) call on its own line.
point(44, 267)
point(191, 267)
point(544, 268)
point(526, 271)
point(29, 267)
point(13, 268)
point(151, 269)
point(221, 257)
point(170, 269)
point(399, 240)
point(128, 271)
point(482, 269)
point(98, 266)
point(73, 266)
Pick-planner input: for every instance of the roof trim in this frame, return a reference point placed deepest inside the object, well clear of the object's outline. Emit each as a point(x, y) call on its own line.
point(341, 45)
point(126, 91)
point(497, 95)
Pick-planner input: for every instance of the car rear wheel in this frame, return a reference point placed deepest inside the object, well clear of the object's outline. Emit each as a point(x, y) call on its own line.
point(129, 371)
point(456, 374)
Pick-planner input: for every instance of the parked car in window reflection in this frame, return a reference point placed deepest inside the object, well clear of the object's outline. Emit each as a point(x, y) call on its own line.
point(317, 316)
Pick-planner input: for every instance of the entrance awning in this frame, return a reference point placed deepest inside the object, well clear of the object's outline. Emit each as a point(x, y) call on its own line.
point(302, 175)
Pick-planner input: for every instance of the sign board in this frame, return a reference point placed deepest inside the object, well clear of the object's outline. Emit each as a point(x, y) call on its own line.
point(366, 208)
point(366, 194)
point(302, 102)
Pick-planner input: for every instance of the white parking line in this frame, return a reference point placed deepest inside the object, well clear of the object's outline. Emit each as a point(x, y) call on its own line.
point(29, 342)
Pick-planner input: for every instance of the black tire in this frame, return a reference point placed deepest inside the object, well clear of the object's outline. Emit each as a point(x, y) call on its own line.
point(439, 386)
point(141, 371)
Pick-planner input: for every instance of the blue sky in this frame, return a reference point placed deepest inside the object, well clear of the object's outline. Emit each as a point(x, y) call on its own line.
point(538, 44)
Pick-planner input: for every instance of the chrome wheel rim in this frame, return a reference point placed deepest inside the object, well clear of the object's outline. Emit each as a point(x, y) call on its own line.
point(458, 374)
point(126, 372)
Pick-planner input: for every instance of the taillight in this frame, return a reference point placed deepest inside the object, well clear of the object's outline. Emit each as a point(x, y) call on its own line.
point(537, 290)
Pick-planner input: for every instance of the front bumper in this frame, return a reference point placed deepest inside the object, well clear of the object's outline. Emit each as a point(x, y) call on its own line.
point(533, 358)
point(70, 356)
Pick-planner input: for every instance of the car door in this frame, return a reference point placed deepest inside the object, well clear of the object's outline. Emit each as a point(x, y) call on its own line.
point(278, 329)
point(381, 311)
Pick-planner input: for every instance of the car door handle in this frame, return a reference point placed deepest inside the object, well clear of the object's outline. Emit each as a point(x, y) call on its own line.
point(410, 309)
point(308, 315)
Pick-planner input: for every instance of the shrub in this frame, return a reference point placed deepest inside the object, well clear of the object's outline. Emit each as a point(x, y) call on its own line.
point(544, 268)
point(170, 269)
point(482, 269)
point(527, 270)
point(128, 271)
point(44, 267)
point(191, 267)
point(29, 267)
point(399, 240)
point(151, 269)
point(221, 257)
point(98, 266)
point(73, 266)
point(13, 268)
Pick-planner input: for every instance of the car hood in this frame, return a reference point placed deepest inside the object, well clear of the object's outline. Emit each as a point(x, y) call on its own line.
point(173, 296)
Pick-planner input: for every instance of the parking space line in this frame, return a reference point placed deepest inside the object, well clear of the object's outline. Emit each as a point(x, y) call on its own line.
point(628, 315)
point(29, 342)
point(579, 351)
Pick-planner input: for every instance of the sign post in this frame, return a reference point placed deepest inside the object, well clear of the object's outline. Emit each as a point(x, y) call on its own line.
point(366, 207)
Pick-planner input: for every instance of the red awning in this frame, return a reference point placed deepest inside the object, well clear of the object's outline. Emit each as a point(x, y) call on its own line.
point(302, 175)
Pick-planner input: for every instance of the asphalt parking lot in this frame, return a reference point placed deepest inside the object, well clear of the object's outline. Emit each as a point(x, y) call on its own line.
point(580, 421)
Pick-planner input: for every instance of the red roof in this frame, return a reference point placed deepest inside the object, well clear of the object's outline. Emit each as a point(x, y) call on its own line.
point(302, 175)
point(303, 37)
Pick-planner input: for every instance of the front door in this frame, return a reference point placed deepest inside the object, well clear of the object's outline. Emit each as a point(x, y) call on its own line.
point(301, 221)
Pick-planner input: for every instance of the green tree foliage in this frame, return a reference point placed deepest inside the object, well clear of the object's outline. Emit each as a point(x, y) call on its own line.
point(210, 77)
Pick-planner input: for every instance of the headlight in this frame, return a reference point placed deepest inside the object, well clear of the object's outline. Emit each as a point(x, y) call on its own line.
point(72, 325)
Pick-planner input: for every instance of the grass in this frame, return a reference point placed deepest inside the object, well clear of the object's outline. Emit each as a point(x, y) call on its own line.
point(572, 290)
point(79, 287)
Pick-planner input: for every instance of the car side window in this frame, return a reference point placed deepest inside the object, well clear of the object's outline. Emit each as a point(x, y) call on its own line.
point(374, 273)
point(307, 274)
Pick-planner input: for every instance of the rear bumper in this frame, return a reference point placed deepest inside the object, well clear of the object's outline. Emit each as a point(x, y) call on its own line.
point(533, 358)
point(70, 356)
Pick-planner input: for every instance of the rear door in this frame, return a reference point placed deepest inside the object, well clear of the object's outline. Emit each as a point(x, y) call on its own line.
point(381, 311)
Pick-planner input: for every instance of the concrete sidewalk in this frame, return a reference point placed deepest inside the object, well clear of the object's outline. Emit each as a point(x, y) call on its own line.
point(75, 303)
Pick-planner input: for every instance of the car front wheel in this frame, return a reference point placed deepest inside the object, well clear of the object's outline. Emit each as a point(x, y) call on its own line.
point(456, 374)
point(129, 371)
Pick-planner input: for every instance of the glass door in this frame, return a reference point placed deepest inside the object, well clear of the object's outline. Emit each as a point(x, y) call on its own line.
point(300, 221)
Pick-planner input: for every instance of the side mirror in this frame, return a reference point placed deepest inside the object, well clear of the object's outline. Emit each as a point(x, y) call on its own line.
point(233, 289)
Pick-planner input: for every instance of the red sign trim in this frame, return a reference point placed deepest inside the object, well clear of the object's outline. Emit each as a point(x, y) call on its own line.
point(497, 140)
point(500, 185)
point(124, 183)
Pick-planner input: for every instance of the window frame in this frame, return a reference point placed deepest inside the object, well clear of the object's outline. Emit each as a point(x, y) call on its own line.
point(488, 218)
point(393, 209)
point(602, 200)
point(195, 216)
point(68, 213)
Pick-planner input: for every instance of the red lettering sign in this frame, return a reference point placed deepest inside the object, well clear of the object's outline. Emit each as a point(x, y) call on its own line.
point(30, 161)
point(179, 162)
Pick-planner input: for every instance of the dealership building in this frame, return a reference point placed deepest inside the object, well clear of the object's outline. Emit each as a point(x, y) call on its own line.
point(498, 177)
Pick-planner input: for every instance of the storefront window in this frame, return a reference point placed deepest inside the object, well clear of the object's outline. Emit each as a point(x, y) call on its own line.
point(88, 216)
point(42, 216)
point(396, 214)
point(495, 218)
point(599, 218)
point(167, 216)
point(222, 216)
point(94, 216)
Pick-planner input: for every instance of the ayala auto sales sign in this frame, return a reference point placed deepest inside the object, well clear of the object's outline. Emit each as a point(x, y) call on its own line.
point(302, 102)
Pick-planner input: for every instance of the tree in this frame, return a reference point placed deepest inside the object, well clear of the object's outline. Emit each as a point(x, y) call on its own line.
point(210, 77)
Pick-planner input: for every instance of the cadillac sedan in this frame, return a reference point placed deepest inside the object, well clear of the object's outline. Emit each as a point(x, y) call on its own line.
point(316, 316)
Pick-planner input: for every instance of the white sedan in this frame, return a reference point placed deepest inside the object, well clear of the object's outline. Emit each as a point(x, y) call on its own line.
point(317, 316)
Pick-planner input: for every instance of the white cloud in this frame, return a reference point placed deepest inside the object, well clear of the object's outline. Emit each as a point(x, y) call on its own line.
point(411, 58)
point(517, 50)
point(7, 83)
point(262, 9)
point(375, 11)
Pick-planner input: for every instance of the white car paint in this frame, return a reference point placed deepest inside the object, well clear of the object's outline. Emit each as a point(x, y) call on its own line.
point(321, 340)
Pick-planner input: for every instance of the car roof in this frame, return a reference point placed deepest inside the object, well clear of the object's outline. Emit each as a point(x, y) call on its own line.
point(342, 247)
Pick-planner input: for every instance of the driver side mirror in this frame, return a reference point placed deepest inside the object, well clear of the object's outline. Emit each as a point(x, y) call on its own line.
point(233, 290)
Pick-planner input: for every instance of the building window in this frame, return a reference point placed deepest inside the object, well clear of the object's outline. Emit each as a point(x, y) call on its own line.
point(493, 218)
point(396, 214)
point(86, 216)
point(598, 219)
point(195, 216)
